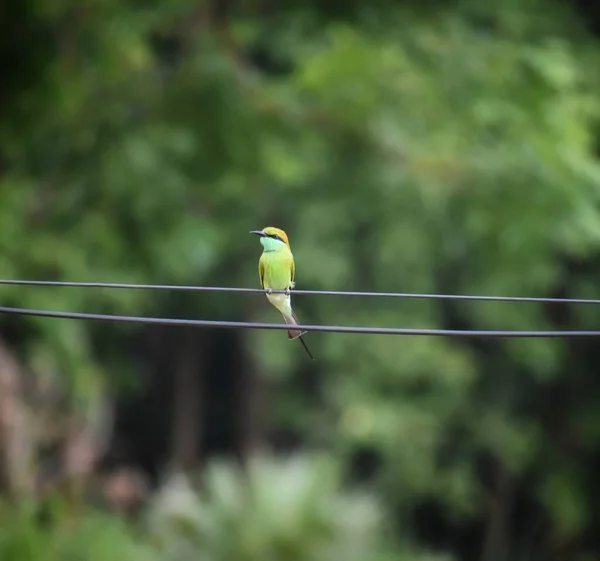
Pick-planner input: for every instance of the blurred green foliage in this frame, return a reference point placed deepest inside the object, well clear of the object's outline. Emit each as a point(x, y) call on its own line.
point(442, 148)
point(291, 509)
point(25, 536)
point(280, 510)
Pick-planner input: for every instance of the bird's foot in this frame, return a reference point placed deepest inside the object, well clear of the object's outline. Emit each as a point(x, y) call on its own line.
point(287, 291)
point(269, 290)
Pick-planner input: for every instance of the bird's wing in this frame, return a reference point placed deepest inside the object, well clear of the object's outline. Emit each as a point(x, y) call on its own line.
point(292, 272)
point(261, 271)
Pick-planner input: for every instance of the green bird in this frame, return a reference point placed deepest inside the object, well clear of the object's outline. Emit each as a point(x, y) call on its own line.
point(276, 271)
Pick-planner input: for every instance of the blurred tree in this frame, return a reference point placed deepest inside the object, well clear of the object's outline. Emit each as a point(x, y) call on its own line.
point(446, 147)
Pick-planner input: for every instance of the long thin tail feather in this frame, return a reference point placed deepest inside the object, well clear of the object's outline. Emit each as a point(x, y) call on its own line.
point(306, 349)
point(290, 319)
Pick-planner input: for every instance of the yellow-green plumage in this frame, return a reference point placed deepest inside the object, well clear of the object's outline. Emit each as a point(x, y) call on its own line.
point(277, 270)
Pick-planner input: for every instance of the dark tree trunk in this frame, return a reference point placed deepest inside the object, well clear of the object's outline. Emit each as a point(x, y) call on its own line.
point(189, 372)
point(251, 400)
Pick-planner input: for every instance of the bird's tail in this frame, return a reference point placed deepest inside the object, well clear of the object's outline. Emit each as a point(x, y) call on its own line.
point(290, 319)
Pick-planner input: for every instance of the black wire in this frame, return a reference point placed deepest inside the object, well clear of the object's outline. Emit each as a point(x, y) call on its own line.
point(325, 328)
point(407, 295)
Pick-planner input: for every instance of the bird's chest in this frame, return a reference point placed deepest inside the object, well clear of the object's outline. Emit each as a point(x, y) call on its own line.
point(277, 271)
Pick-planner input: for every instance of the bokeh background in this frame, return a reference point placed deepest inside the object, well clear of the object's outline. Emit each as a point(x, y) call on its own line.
point(446, 147)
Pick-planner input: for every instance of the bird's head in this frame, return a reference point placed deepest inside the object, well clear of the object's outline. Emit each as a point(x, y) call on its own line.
point(272, 239)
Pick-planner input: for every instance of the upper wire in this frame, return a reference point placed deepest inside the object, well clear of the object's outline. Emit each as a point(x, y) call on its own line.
point(407, 295)
point(325, 328)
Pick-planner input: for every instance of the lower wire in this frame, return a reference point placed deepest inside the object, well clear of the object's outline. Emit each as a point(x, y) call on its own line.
point(316, 328)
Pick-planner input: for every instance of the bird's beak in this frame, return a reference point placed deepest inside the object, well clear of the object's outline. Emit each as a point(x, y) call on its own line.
point(258, 233)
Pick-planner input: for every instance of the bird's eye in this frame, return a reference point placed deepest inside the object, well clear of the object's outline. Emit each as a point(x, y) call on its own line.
point(276, 236)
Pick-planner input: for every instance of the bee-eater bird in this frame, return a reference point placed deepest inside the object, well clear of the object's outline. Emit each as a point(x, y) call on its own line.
point(276, 271)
